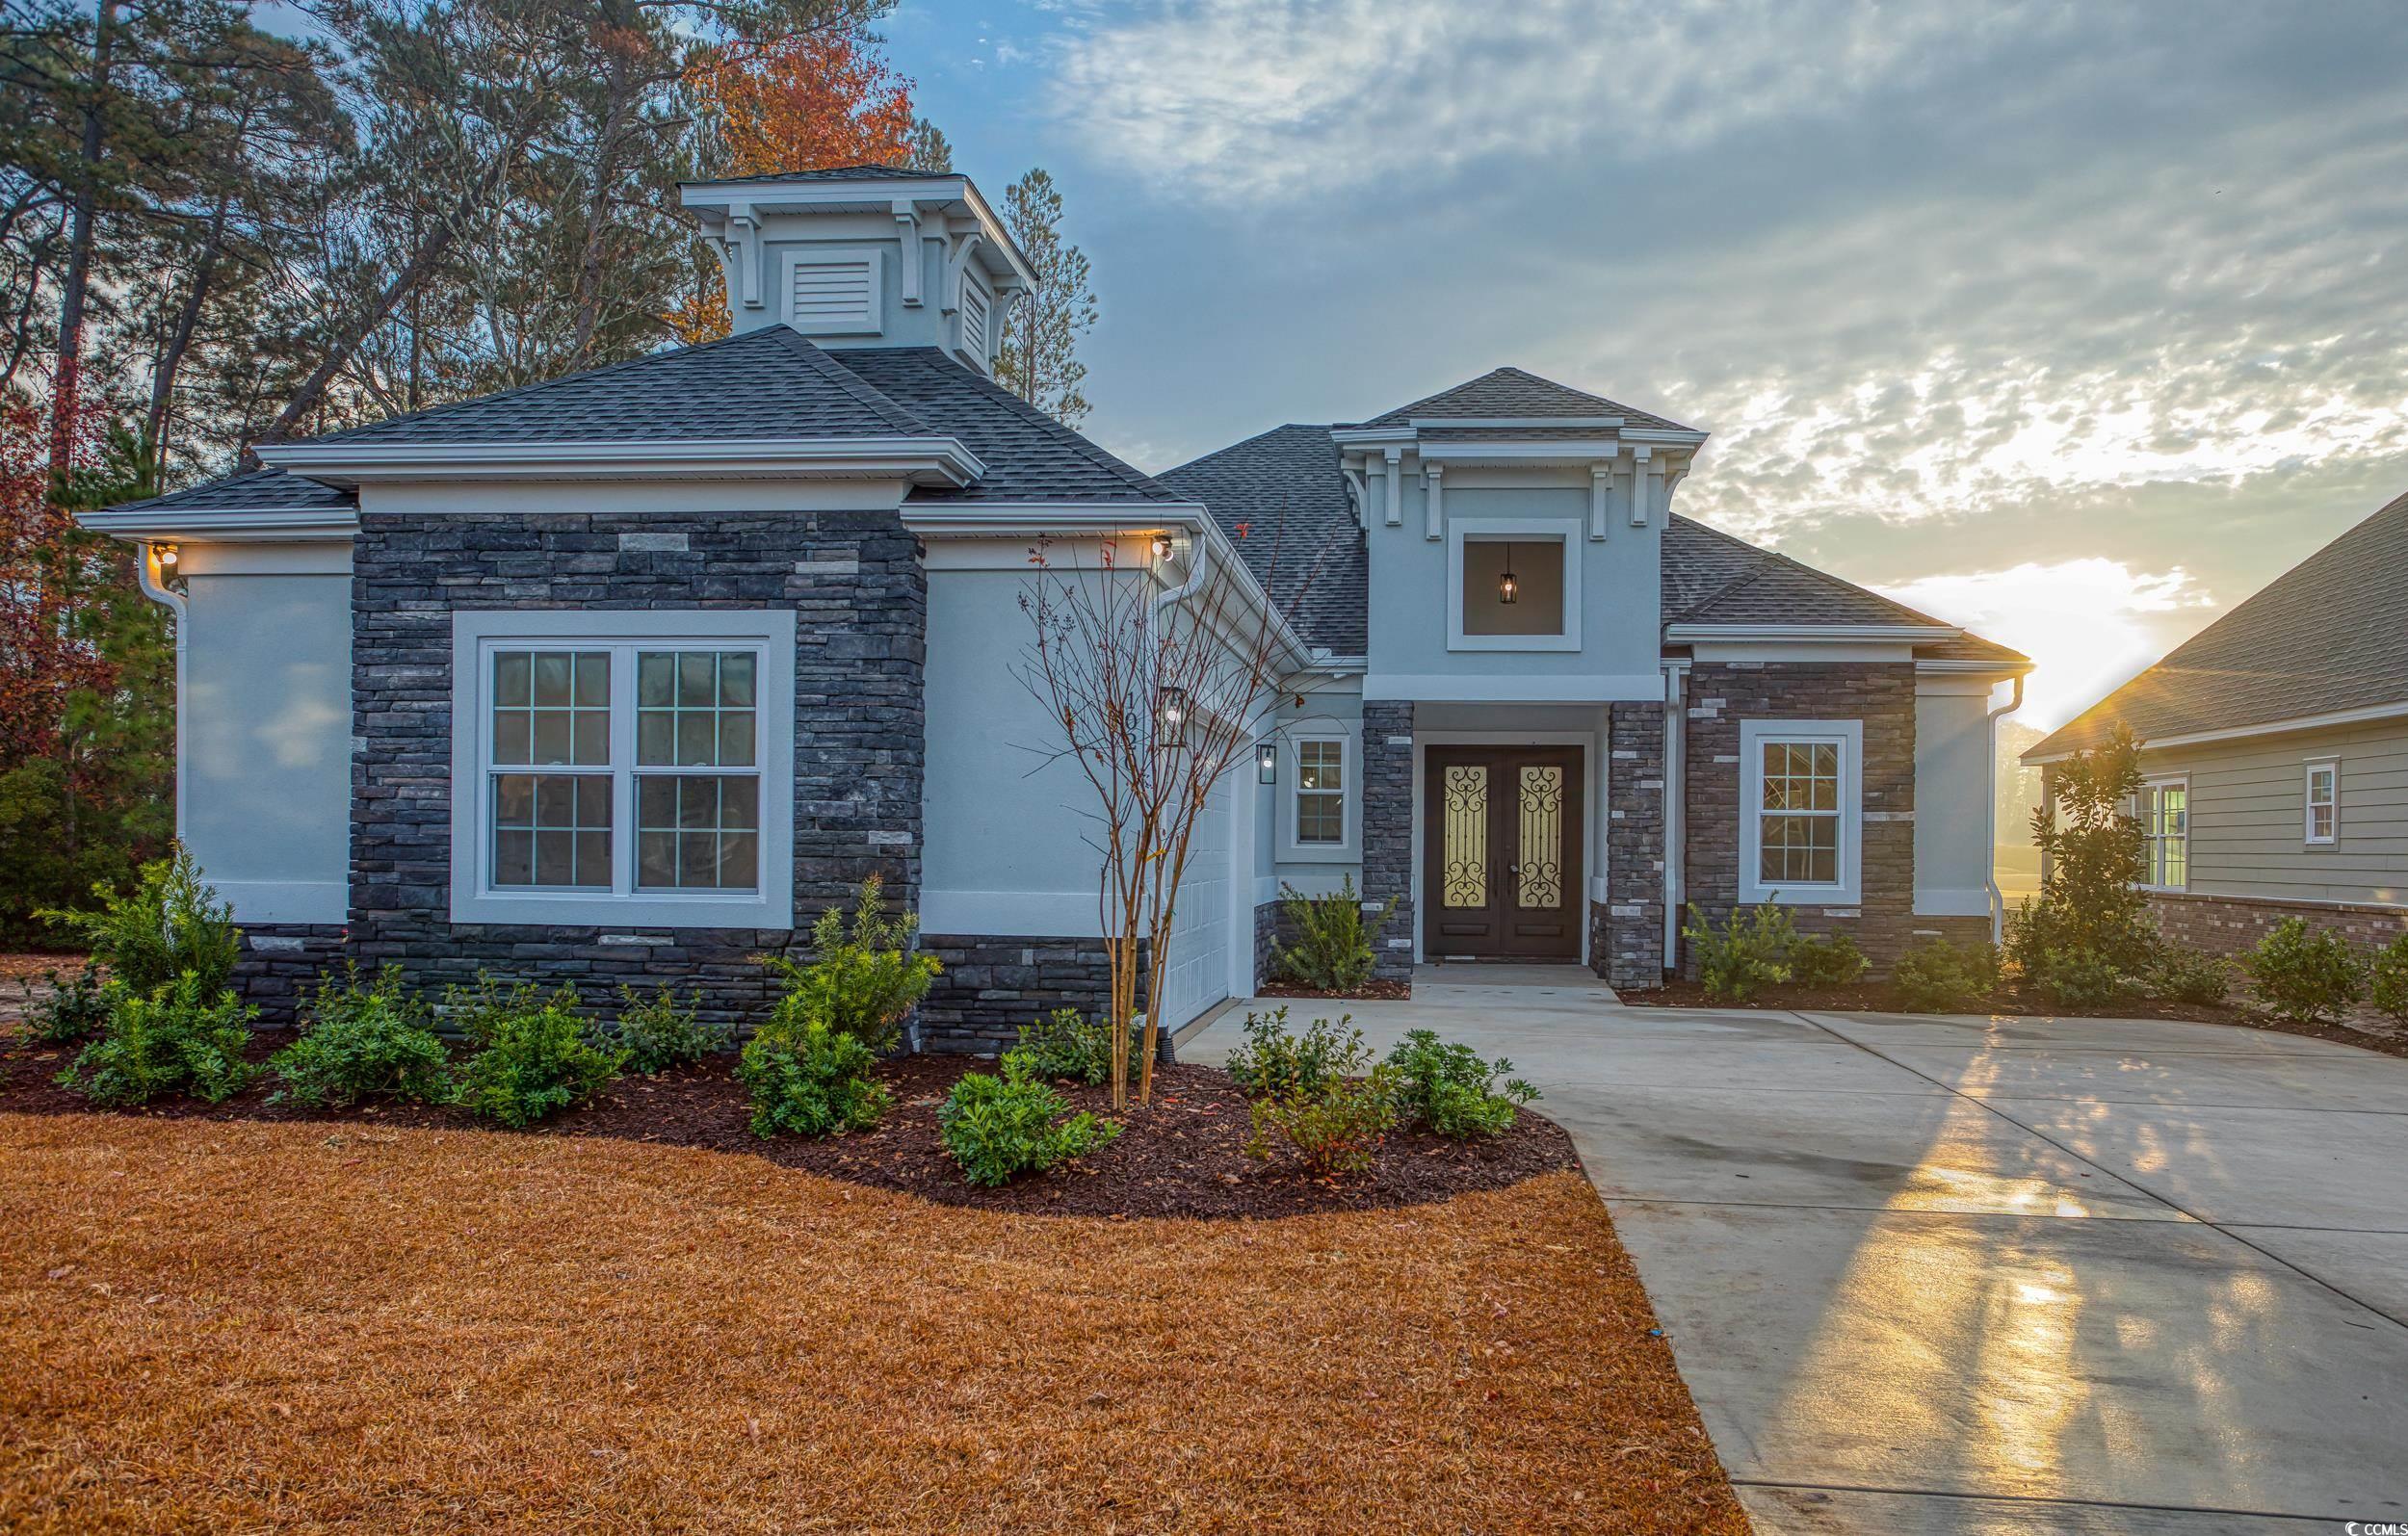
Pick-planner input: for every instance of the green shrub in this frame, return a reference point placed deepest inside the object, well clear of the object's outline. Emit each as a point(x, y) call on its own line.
point(1748, 953)
point(364, 1042)
point(2306, 973)
point(1069, 1046)
point(2187, 977)
point(864, 982)
point(2387, 978)
point(1824, 962)
point(73, 1009)
point(811, 1081)
point(996, 1127)
point(177, 1038)
point(1938, 977)
point(171, 922)
point(2080, 980)
point(1447, 1086)
point(1335, 941)
point(536, 1054)
point(1275, 1061)
point(2091, 901)
point(657, 1035)
point(1334, 1129)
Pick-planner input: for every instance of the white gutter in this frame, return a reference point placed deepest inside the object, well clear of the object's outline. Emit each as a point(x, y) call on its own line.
point(2237, 733)
point(346, 461)
point(230, 525)
point(146, 572)
point(1990, 818)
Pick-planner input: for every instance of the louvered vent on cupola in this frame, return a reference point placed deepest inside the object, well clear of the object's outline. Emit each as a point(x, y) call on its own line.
point(974, 313)
point(833, 293)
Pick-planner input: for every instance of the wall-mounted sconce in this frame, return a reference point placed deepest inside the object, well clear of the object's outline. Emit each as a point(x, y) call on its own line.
point(1267, 762)
point(1170, 709)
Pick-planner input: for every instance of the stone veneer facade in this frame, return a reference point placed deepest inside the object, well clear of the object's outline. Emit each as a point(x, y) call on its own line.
point(2230, 924)
point(991, 986)
point(1880, 694)
point(1388, 830)
point(857, 587)
point(1625, 930)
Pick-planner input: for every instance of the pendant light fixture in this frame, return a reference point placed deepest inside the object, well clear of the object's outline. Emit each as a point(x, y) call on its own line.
point(1508, 585)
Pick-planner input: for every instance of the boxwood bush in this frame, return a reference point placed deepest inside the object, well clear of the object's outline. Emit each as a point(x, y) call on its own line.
point(180, 1037)
point(371, 1041)
point(998, 1126)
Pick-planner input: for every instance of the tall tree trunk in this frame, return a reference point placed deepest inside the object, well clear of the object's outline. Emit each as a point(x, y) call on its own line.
point(598, 212)
point(180, 338)
point(80, 237)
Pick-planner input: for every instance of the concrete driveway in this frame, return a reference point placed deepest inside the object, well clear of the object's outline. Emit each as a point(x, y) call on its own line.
point(1929, 1274)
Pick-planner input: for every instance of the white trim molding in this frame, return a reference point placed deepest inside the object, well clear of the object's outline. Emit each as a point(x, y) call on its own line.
point(1813, 634)
point(1516, 688)
point(1348, 735)
point(2153, 790)
point(770, 632)
point(1565, 531)
point(920, 459)
point(265, 525)
point(1849, 735)
point(2236, 733)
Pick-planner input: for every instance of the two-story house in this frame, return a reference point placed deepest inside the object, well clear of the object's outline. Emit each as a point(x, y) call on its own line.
point(626, 675)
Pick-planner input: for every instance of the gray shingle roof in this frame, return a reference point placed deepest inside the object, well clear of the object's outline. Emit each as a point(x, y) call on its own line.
point(768, 382)
point(1710, 578)
point(1283, 499)
point(261, 491)
point(2328, 635)
point(861, 172)
point(1029, 455)
point(1509, 392)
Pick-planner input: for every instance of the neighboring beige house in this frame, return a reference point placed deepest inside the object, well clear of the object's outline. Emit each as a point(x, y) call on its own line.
point(2275, 743)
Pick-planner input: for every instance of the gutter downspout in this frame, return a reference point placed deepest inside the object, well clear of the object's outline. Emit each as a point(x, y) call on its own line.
point(147, 573)
point(1675, 832)
point(1990, 866)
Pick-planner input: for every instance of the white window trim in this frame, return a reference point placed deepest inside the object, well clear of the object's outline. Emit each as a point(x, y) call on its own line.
point(1570, 531)
point(1849, 736)
point(2148, 852)
point(836, 256)
point(2308, 801)
point(475, 636)
point(1351, 765)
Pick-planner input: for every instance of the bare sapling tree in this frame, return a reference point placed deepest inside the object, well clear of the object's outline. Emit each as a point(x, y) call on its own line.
point(1156, 659)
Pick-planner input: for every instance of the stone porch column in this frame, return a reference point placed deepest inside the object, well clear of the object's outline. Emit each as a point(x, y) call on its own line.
point(1388, 829)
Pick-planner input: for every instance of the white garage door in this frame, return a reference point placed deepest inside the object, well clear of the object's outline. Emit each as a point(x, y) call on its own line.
point(1199, 944)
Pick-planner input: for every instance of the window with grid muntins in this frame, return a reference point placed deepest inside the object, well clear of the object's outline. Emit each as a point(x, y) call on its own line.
point(2166, 832)
point(697, 792)
point(2323, 802)
point(1321, 801)
point(1799, 842)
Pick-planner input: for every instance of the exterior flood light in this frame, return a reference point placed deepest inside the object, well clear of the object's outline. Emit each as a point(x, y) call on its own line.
point(1162, 547)
point(166, 556)
point(1267, 764)
point(1509, 586)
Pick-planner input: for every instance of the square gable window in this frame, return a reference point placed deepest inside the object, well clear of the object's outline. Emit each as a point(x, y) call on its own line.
point(1515, 584)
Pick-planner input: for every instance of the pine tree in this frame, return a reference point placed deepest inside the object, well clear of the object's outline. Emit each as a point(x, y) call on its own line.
point(1040, 357)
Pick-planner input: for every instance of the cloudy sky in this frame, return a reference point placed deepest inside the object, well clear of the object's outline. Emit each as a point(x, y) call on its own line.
point(2073, 322)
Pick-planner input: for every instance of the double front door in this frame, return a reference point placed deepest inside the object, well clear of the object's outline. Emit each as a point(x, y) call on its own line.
point(1501, 853)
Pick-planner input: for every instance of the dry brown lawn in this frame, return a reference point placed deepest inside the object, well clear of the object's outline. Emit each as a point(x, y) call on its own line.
point(292, 1327)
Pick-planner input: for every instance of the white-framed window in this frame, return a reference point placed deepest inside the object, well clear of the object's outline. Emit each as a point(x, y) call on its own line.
point(835, 291)
point(1801, 811)
point(2165, 834)
point(2322, 812)
point(624, 768)
point(1542, 558)
point(1321, 806)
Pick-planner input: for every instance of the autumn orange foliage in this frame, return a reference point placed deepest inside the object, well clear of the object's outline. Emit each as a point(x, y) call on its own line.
point(808, 103)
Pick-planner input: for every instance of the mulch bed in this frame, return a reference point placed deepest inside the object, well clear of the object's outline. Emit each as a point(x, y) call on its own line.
point(1369, 991)
point(1879, 997)
point(1181, 1157)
